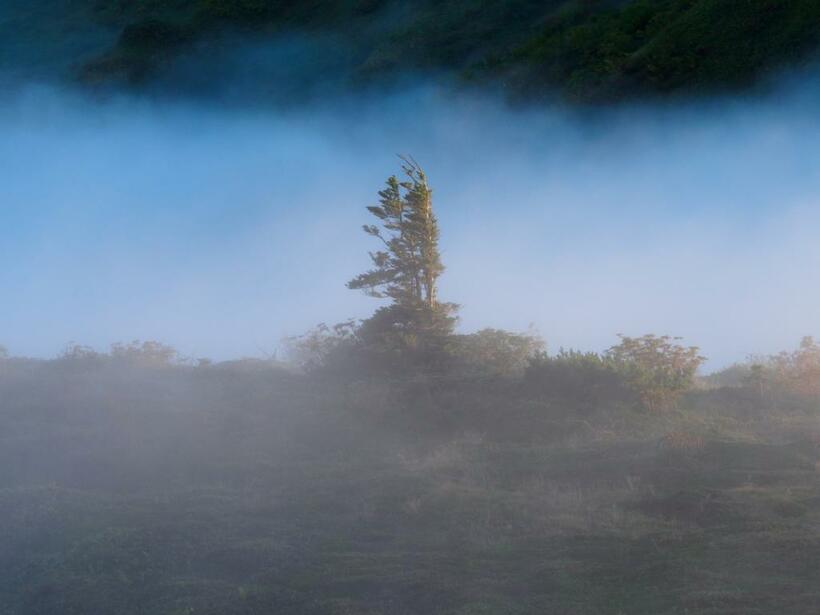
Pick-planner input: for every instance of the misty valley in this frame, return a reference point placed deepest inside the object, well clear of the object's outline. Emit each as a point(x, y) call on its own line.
point(409, 308)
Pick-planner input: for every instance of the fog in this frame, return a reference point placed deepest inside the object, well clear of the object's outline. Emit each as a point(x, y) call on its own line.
point(220, 230)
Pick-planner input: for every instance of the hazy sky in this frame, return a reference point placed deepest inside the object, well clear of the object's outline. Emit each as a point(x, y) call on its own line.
point(221, 231)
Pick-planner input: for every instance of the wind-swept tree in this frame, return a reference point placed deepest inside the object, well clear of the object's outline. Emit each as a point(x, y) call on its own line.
point(407, 267)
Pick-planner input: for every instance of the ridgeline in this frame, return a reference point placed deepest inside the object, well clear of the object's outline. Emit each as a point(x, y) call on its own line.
point(578, 52)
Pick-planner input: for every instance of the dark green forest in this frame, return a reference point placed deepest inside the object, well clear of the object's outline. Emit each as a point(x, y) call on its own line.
point(599, 51)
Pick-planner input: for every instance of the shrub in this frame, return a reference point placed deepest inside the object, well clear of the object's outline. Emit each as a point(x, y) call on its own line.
point(324, 347)
point(583, 381)
point(494, 352)
point(145, 354)
point(77, 357)
point(736, 375)
point(657, 368)
point(797, 371)
point(79, 353)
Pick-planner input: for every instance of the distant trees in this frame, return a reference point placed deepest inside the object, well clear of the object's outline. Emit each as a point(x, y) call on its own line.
point(133, 354)
point(793, 373)
point(790, 378)
point(799, 370)
point(79, 354)
point(325, 346)
point(406, 270)
point(145, 354)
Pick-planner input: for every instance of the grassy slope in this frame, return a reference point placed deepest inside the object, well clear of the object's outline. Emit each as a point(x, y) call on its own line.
point(236, 491)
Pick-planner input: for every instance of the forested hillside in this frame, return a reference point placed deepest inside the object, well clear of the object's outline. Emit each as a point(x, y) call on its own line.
point(580, 51)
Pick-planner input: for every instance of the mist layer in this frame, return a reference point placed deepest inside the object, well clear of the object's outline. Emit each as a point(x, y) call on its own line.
point(221, 231)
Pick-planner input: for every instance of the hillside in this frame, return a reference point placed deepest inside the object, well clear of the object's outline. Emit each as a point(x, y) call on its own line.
point(581, 51)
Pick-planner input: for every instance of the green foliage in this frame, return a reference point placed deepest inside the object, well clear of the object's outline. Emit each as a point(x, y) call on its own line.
point(400, 337)
point(146, 354)
point(786, 384)
point(79, 356)
point(325, 347)
point(650, 47)
point(580, 381)
point(735, 375)
point(494, 353)
point(658, 369)
point(373, 349)
point(587, 52)
point(652, 370)
point(789, 378)
point(799, 370)
point(406, 271)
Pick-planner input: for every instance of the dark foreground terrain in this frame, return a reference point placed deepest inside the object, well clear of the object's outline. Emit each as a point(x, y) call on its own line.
point(243, 488)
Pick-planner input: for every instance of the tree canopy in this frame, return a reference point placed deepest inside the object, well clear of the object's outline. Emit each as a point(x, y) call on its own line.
point(407, 267)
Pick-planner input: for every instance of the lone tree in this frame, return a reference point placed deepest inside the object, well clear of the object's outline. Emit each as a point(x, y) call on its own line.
point(406, 270)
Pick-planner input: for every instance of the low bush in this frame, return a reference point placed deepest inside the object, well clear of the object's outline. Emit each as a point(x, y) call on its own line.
point(797, 371)
point(583, 381)
point(494, 352)
point(658, 369)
